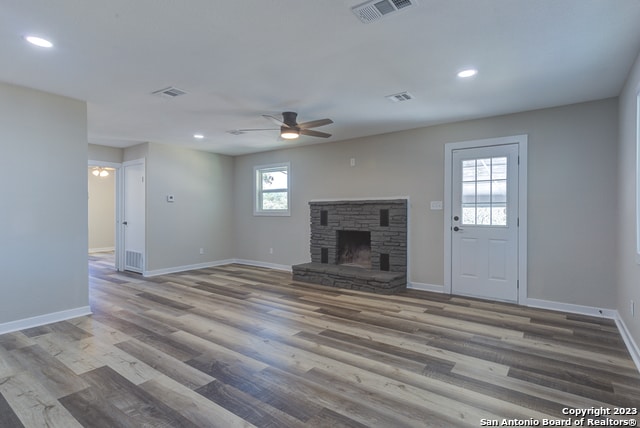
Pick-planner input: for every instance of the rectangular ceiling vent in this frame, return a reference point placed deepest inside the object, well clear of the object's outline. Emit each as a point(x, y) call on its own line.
point(400, 96)
point(376, 9)
point(169, 92)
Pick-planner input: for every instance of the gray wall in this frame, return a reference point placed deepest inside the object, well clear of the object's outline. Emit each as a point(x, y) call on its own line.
point(572, 174)
point(200, 217)
point(43, 215)
point(105, 154)
point(628, 267)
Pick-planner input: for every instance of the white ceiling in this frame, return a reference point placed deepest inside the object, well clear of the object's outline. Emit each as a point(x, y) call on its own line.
point(238, 60)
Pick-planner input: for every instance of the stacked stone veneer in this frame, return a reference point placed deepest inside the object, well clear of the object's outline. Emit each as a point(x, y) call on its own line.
point(385, 220)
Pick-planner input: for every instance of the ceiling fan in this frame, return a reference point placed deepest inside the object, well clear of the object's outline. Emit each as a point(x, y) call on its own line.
point(289, 128)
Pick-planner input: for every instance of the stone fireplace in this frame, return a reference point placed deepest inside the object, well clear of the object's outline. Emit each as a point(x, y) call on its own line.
point(360, 244)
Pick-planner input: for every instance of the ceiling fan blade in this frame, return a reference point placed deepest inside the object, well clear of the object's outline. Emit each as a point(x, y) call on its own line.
point(313, 133)
point(315, 123)
point(244, 131)
point(275, 120)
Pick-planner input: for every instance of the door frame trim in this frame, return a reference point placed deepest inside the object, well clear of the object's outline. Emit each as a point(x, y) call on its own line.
point(522, 141)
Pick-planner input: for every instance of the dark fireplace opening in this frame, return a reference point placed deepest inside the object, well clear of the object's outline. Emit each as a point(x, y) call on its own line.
point(354, 248)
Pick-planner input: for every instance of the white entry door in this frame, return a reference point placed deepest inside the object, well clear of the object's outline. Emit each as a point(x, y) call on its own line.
point(133, 222)
point(484, 222)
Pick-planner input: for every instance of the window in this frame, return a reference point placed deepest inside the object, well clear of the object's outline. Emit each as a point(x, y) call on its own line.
point(484, 191)
point(272, 189)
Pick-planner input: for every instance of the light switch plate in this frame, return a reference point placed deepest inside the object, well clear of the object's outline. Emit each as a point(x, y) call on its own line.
point(436, 205)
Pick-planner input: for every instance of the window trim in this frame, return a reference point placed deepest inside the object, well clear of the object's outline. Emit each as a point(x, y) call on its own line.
point(258, 192)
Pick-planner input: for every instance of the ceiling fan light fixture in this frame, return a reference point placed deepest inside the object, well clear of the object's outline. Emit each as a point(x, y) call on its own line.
point(289, 133)
point(99, 171)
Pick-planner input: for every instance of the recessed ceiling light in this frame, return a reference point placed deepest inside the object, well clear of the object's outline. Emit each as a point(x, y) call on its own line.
point(198, 136)
point(39, 41)
point(470, 72)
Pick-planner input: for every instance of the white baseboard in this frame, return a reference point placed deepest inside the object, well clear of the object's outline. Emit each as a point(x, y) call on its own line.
point(571, 308)
point(44, 319)
point(286, 268)
point(425, 287)
point(632, 346)
point(613, 314)
point(185, 268)
point(215, 263)
point(102, 250)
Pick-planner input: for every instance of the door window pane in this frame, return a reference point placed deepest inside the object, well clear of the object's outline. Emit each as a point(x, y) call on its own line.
point(483, 196)
point(499, 168)
point(469, 170)
point(483, 171)
point(499, 191)
point(468, 214)
point(469, 193)
point(483, 215)
point(498, 216)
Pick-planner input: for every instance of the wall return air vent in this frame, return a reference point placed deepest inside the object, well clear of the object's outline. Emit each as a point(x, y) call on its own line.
point(376, 9)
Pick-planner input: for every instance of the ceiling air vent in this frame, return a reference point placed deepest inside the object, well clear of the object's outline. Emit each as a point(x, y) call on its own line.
point(169, 92)
point(376, 9)
point(400, 96)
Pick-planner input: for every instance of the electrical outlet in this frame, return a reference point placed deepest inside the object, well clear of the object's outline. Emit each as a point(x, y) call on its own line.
point(352, 161)
point(201, 250)
point(270, 250)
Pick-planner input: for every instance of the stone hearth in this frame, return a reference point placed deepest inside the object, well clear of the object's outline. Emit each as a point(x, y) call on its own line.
point(358, 245)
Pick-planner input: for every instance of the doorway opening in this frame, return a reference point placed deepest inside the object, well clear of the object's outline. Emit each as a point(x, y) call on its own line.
point(103, 181)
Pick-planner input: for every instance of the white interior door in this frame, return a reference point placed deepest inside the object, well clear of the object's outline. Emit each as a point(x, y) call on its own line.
point(133, 222)
point(484, 222)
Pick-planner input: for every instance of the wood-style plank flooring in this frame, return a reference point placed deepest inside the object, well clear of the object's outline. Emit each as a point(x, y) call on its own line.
point(244, 346)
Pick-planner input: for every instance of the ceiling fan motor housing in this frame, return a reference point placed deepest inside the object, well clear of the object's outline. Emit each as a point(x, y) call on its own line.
point(289, 118)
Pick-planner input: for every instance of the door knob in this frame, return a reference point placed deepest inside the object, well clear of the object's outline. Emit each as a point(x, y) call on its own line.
point(125, 223)
point(456, 228)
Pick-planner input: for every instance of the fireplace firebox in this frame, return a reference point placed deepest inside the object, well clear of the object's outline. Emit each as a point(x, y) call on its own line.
point(354, 248)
